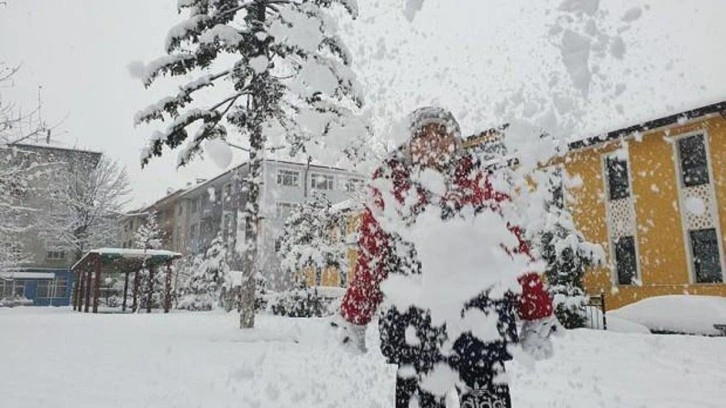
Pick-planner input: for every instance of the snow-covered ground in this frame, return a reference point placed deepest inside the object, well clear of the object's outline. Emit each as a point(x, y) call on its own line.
point(55, 357)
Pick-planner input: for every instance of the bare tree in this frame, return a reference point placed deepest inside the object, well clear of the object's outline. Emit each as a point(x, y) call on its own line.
point(86, 201)
point(17, 173)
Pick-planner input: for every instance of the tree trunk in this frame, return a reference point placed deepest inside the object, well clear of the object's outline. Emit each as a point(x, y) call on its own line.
point(150, 294)
point(258, 109)
point(126, 291)
point(167, 288)
point(88, 291)
point(137, 283)
point(97, 286)
point(81, 289)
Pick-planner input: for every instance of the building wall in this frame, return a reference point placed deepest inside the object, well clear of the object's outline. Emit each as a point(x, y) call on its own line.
point(274, 194)
point(662, 247)
point(55, 163)
point(190, 231)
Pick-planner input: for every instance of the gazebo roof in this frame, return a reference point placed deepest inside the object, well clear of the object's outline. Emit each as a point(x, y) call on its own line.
point(124, 259)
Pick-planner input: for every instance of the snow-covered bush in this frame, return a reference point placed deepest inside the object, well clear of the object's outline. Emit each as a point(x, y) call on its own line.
point(567, 255)
point(303, 302)
point(311, 238)
point(15, 301)
point(208, 275)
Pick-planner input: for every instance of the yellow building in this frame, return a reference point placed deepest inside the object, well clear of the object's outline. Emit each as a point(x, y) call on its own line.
point(654, 196)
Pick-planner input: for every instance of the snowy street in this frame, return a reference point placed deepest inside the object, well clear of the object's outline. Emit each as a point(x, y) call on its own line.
point(55, 357)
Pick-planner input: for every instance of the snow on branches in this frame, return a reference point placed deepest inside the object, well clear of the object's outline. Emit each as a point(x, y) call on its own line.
point(87, 199)
point(289, 76)
point(279, 74)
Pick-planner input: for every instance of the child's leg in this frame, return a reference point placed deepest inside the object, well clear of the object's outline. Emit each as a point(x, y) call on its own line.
point(405, 389)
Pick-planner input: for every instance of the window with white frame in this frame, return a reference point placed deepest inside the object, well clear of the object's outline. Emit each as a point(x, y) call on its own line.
point(6, 288)
point(353, 184)
point(283, 210)
point(56, 255)
point(289, 178)
point(227, 191)
point(617, 172)
point(700, 220)
point(61, 286)
point(626, 263)
point(693, 161)
point(228, 223)
point(12, 288)
point(55, 288)
point(621, 218)
point(706, 256)
point(322, 181)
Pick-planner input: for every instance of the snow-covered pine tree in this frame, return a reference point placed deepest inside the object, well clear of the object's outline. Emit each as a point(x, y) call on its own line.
point(150, 236)
point(308, 240)
point(567, 255)
point(210, 272)
point(286, 75)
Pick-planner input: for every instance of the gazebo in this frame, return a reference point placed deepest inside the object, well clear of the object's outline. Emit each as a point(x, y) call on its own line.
point(88, 270)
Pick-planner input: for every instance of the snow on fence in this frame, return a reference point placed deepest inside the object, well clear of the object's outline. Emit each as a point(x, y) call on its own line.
point(595, 309)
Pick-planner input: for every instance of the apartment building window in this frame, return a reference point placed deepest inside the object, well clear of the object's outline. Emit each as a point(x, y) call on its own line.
point(56, 255)
point(693, 160)
point(353, 184)
point(283, 210)
point(227, 191)
point(195, 204)
point(228, 223)
point(705, 256)
point(626, 263)
point(193, 232)
point(617, 173)
point(179, 210)
point(288, 178)
point(322, 181)
point(621, 218)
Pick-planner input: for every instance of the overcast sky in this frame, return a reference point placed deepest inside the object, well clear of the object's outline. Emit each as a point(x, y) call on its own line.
point(468, 55)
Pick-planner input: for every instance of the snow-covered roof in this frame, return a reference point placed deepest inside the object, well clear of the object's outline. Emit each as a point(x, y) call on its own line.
point(129, 253)
point(329, 291)
point(54, 145)
point(27, 275)
point(134, 253)
point(349, 204)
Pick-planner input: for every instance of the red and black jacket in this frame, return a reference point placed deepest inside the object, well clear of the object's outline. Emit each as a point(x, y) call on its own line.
point(363, 295)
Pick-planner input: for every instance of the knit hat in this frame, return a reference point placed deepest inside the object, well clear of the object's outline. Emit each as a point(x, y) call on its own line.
point(427, 115)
